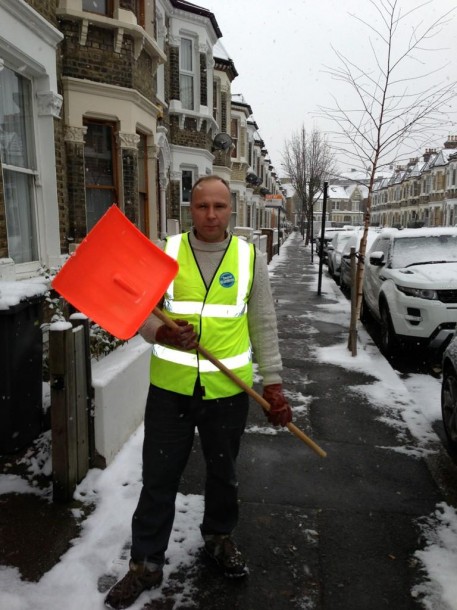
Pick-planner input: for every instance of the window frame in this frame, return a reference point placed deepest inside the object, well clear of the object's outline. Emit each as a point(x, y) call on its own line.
point(143, 190)
point(13, 173)
point(92, 187)
point(187, 73)
point(234, 134)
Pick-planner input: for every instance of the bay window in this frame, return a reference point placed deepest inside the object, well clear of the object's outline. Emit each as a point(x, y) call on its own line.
point(18, 165)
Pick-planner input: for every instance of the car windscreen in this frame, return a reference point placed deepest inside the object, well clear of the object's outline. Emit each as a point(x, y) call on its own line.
point(423, 249)
point(342, 241)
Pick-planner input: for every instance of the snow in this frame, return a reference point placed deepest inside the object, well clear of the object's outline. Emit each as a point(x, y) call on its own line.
point(105, 531)
point(12, 293)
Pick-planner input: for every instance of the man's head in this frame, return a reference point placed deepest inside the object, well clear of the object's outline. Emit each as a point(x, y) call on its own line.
point(210, 208)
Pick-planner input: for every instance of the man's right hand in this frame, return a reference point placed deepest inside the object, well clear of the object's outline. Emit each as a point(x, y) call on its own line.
point(182, 337)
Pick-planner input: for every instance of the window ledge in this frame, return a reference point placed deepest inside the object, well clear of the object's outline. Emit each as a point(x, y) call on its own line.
point(176, 109)
point(141, 38)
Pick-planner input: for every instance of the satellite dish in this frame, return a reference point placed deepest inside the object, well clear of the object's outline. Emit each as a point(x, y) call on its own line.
point(251, 178)
point(222, 141)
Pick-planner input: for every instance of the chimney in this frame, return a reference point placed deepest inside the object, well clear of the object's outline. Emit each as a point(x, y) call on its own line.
point(451, 142)
point(428, 153)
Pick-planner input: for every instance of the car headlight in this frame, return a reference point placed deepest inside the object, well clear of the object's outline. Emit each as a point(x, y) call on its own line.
point(420, 293)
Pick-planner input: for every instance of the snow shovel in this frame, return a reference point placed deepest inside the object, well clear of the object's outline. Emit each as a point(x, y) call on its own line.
point(117, 276)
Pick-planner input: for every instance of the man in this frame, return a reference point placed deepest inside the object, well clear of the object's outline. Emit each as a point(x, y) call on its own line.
point(220, 297)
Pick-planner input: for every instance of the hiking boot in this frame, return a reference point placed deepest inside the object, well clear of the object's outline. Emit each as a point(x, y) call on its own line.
point(139, 578)
point(224, 552)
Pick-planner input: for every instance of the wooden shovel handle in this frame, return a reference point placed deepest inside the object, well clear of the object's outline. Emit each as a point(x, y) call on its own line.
point(243, 385)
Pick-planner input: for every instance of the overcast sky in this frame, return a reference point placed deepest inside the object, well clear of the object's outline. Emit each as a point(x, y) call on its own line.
point(280, 50)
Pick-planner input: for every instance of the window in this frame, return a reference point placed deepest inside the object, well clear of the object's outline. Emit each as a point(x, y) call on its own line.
point(143, 220)
point(187, 180)
point(18, 164)
point(234, 135)
point(100, 171)
point(102, 7)
point(139, 12)
point(233, 217)
point(186, 74)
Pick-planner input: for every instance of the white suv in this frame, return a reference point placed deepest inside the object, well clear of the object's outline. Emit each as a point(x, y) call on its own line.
point(410, 286)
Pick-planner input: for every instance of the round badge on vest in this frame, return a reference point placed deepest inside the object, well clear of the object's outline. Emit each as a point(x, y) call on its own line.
point(227, 279)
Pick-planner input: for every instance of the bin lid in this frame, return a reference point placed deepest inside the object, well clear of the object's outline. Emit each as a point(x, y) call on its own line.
point(116, 276)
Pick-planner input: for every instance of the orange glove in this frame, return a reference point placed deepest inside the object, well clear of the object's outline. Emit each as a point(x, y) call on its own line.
point(280, 412)
point(182, 337)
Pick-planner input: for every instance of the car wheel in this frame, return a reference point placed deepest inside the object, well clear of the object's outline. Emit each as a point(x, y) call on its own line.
point(365, 315)
point(449, 405)
point(389, 340)
point(345, 289)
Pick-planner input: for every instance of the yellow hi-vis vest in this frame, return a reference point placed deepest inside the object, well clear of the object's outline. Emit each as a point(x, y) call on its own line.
point(218, 315)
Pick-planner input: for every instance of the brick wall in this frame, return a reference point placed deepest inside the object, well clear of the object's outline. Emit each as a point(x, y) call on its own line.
point(222, 158)
point(62, 188)
point(189, 136)
point(174, 73)
point(130, 183)
point(46, 8)
point(175, 199)
point(97, 61)
point(224, 112)
point(76, 190)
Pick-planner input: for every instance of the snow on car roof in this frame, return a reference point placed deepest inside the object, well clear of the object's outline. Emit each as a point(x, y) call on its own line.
point(422, 232)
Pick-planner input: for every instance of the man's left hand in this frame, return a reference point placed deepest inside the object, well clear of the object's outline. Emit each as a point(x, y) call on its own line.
point(280, 412)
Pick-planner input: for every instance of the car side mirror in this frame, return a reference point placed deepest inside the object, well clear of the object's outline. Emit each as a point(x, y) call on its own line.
point(377, 258)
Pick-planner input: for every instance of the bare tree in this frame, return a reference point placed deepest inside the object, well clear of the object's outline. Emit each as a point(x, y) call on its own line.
point(394, 109)
point(308, 161)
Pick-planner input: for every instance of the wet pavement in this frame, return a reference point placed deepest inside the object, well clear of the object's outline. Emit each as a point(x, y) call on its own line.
point(334, 533)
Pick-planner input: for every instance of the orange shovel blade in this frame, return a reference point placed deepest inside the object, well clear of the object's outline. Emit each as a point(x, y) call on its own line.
point(116, 276)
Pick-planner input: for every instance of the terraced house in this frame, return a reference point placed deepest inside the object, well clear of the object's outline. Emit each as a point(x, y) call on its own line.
point(121, 102)
point(422, 194)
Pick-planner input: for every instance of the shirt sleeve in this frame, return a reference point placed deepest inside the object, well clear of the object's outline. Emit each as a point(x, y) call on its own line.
point(262, 322)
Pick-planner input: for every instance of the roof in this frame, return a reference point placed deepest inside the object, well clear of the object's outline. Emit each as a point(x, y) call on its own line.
point(198, 10)
point(223, 61)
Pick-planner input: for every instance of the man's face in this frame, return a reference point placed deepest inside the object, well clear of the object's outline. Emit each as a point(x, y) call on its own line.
point(210, 210)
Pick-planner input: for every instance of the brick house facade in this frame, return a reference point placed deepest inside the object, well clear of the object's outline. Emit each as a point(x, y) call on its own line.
point(126, 99)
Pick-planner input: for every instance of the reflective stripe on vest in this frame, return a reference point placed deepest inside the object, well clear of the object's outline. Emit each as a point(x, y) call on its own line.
point(219, 311)
point(205, 366)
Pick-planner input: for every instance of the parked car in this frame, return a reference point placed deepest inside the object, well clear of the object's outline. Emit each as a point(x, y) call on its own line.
point(329, 234)
point(449, 393)
point(410, 286)
point(335, 251)
point(353, 242)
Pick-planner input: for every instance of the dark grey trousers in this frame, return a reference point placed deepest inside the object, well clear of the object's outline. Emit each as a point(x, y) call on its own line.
point(170, 423)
